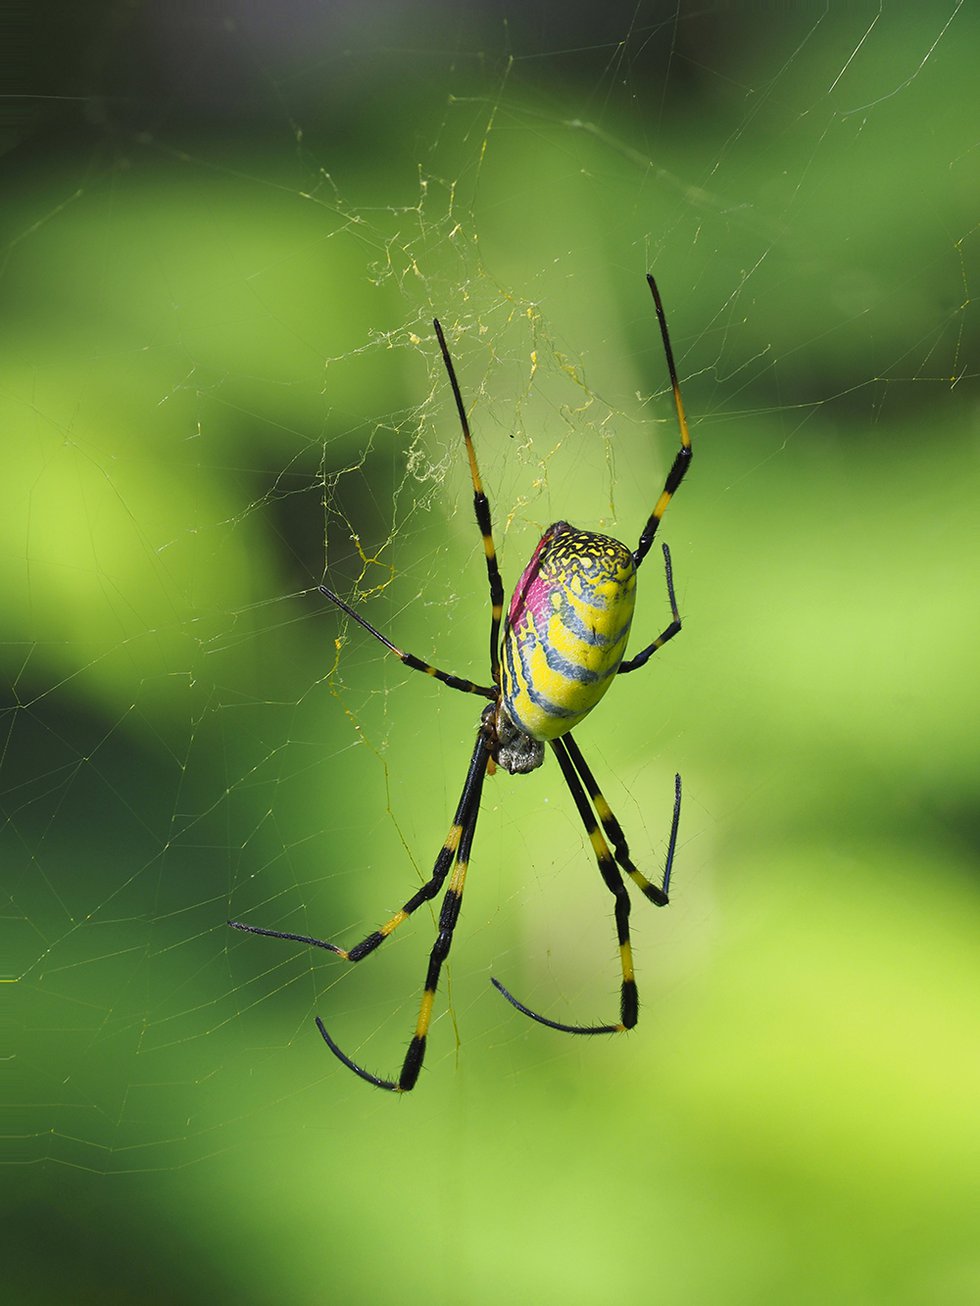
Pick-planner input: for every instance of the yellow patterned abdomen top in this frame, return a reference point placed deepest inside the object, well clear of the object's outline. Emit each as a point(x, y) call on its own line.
point(566, 630)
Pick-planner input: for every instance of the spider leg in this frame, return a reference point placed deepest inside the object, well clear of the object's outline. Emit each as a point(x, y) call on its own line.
point(481, 506)
point(410, 660)
point(657, 894)
point(673, 629)
point(292, 938)
point(473, 784)
point(378, 936)
point(554, 1024)
point(613, 880)
point(682, 460)
point(462, 832)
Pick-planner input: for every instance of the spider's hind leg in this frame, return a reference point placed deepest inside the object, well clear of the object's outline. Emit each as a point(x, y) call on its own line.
point(657, 894)
point(459, 843)
point(449, 849)
point(577, 774)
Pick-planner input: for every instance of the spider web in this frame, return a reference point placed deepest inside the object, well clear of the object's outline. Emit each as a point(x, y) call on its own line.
point(223, 388)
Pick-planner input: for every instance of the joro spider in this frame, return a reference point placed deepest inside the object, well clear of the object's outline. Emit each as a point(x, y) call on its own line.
point(563, 643)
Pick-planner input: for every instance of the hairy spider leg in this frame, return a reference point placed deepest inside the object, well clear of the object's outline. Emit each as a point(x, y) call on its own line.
point(682, 460)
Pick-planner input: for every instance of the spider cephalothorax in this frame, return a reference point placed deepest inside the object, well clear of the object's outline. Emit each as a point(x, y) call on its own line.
point(562, 645)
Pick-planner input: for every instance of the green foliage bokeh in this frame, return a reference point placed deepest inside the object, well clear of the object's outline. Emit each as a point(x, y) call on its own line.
point(220, 386)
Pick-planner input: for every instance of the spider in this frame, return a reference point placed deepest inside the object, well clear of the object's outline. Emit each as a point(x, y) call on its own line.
point(563, 643)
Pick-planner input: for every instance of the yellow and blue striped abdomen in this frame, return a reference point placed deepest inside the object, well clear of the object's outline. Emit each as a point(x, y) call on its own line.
point(566, 630)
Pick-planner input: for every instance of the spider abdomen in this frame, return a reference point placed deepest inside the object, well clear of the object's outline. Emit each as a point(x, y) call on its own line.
point(566, 629)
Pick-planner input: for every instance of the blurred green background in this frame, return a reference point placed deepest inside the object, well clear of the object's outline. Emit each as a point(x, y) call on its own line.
point(226, 230)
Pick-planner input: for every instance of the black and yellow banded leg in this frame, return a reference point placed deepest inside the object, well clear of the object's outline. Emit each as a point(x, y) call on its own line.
point(409, 659)
point(374, 940)
point(613, 880)
point(643, 657)
point(682, 459)
point(449, 849)
point(448, 916)
point(481, 506)
point(657, 894)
